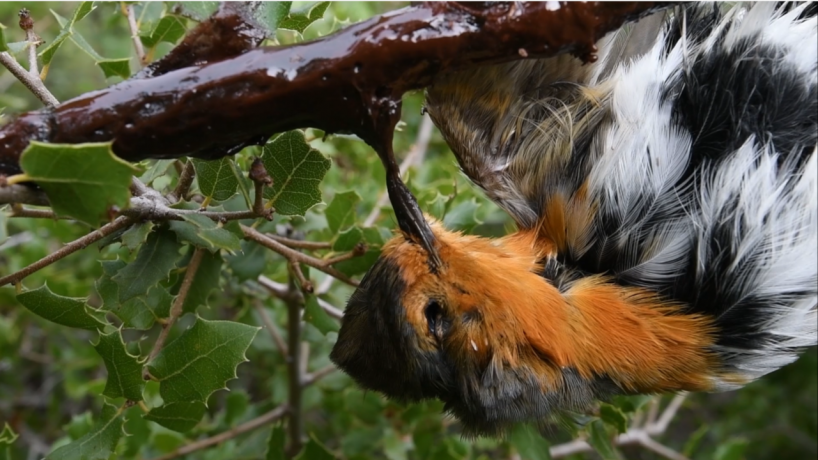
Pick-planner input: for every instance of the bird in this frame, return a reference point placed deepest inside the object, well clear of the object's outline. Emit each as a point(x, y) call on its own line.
point(665, 199)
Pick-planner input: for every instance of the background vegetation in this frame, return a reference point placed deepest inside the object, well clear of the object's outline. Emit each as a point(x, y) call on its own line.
point(59, 394)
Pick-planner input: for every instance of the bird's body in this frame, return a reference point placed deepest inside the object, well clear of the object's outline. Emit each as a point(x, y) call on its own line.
point(667, 212)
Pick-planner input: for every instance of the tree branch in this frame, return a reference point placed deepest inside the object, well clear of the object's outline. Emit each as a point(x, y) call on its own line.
point(295, 419)
point(127, 10)
point(34, 84)
point(70, 248)
point(251, 425)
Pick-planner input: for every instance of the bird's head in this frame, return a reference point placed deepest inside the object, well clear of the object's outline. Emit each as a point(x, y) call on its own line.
point(452, 330)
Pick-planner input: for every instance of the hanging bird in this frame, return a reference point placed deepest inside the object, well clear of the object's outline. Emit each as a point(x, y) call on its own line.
point(666, 200)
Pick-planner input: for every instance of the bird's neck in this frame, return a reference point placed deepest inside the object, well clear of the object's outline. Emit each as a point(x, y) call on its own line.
point(599, 328)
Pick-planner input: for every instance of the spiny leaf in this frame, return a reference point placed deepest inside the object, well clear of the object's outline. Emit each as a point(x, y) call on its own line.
point(297, 170)
point(314, 450)
point(124, 370)
point(217, 178)
point(115, 67)
point(203, 232)
point(136, 235)
point(299, 20)
point(156, 258)
point(169, 29)
point(67, 311)
point(178, 416)
point(600, 440)
point(315, 315)
point(249, 263)
point(347, 240)
point(614, 417)
point(97, 444)
point(7, 436)
point(270, 14)
point(157, 169)
point(201, 360)
point(529, 443)
point(198, 11)
point(275, 447)
point(82, 181)
point(340, 213)
point(66, 30)
point(140, 312)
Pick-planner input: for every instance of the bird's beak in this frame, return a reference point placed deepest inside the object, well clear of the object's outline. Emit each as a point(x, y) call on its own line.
point(411, 220)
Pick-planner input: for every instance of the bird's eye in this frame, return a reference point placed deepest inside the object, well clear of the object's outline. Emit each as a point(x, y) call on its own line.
point(433, 316)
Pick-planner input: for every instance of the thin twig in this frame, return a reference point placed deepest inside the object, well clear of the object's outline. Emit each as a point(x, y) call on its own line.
point(32, 41)
point(185, 181)
point(33, 83)
point(271, 328)
point(251, 425)
point(281, 291)
point(137, 43)
point(359, 250)
point(176, 309)
point(293, 255)
point(299, 244)
point(295, 421)
point(18, 210)
point(22, 194)
point(70, 248)
point(311, 378)
point(258, 174)
point(305, 284)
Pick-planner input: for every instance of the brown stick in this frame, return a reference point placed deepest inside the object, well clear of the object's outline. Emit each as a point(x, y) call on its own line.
point(351, 81)
point(70, 248)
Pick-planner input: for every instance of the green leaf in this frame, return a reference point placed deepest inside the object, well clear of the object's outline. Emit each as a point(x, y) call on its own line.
point(83, 10)
point(66, 31)
point(201, 360)
point(299, 20)
point(315, 315)
point(297, 170)
point(217, 179)
point(340, 213)
point(695, 439)
point(248, 264)
point(529, 443)
point(732, 449)
point(614, 417)
point(124, 370)
point(3, 46)
point(346, 240)
point(630, 404)
point(271, 14)
point(97, 444)
point(82, 181)
point(235, 406)
point(4, 231)
point(178, 416)
point(115, 67)
point(314, 450)
point(67, 311)
point(169, 29)
point(203, 232)
point(157, 169)
point(7, 437)
point(275, 447)
point(205, 281)
point(83, 44)
point(140, 312)
point(136, 235)
point(198, 11)
point(156, 258)
point(600, 440)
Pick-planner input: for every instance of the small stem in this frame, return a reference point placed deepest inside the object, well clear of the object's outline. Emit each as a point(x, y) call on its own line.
point(251, 425)
point(137, 43)
point(331, 310)
point(33, 41)
point(271, 328)
point(70, 248)
point(22, 194)
point(185, 181)
point(318, 375)
point(33, 83)
point(294, 255)
point(299, 244)
point(304, 283)
point(176, 309)
point(18, 210)
point(294, 425)
point(360, 249)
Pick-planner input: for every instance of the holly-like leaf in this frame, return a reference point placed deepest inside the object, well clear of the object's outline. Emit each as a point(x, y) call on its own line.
point(169, 29)
point(157, 169)
point(249, 263)
point(66, 30)
point(340, 213)
point(201, 360)
point(82, 181)
point(300, 19)
point(347, 240)
point(97, 444)
point(275, 446)
point(7, 437)
point(297, 170)
point(205, 281)
point(315, 315)
point(630, 404)
point(529, 443)
point(140, 312)
point(156, 258)
point(600, 440)
point(271, 14)
point(124, 370)
point(217, 179)
point(136, 235)
point(314, 450)
point(66, 311)
point(614, 417)
point(115, 67)
point(178, 416)
point(205, 233)
point(198, 11)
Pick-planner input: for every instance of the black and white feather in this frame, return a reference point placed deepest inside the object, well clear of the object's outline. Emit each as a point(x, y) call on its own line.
point(683, 161)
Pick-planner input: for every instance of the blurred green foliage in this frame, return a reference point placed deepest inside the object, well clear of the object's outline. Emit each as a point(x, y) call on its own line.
point(54, 380)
